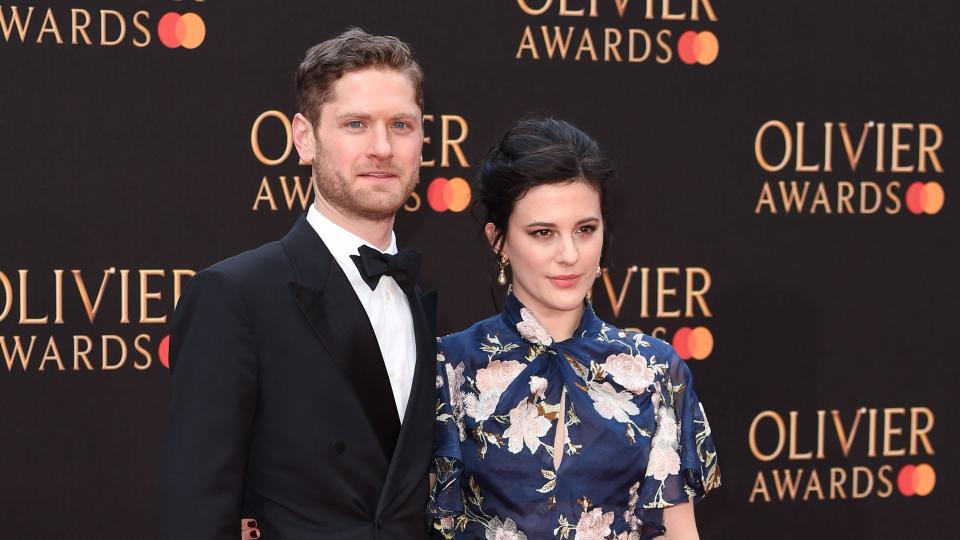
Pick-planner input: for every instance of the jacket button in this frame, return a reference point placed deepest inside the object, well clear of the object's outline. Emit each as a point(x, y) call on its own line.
point(337, 447)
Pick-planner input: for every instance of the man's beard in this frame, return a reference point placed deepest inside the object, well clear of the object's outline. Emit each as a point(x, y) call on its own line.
point(371, 204)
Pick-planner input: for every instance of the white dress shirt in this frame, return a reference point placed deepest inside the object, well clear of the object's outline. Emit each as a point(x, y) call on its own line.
point(386, 306)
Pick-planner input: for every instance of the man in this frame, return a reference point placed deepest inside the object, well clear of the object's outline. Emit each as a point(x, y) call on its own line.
point(304, 370)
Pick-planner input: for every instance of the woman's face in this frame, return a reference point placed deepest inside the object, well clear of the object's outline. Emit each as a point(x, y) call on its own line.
point(553, 242)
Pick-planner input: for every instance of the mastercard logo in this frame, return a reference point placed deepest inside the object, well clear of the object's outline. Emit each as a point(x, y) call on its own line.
point(696, 343)
point(452, 194)
point(925, 198)
point(916, 480)
point(176, 30)
point(698, 47)
point(163, 351)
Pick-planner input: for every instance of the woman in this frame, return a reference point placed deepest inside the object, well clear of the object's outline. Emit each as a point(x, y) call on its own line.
point(552, 423)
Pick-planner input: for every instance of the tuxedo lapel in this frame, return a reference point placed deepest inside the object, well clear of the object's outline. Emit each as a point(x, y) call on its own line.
point(411, 457)
point(339, 320)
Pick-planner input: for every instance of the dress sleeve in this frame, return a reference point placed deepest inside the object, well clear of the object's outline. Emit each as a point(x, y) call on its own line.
point(683, 461)
point(446, 500)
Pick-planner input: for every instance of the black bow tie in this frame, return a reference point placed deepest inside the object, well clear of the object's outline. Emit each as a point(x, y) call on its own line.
point(404, 267)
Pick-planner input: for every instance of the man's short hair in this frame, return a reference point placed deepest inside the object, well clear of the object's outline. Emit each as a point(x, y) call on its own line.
point(352, 50)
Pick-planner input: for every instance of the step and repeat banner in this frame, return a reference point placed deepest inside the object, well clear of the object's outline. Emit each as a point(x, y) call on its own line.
point(785, 216)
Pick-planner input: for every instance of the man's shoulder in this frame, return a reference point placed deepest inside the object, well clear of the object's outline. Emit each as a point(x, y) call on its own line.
point(252, 267)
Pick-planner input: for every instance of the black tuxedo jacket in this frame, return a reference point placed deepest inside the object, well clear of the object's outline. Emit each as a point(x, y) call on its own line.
point(281, 408)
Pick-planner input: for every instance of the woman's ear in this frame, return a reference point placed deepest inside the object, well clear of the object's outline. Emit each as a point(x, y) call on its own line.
point(491, 231)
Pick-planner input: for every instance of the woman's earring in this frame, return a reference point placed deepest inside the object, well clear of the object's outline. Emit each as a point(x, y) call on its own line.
point(502, 264)
point(598, 271)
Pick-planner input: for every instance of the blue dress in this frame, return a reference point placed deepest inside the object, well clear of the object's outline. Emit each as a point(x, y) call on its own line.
point(588, 438)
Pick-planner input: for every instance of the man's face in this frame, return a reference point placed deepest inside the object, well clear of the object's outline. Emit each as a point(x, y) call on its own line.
point(368, 145)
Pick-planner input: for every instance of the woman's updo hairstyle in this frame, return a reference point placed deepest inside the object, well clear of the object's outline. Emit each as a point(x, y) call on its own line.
point(536, 152)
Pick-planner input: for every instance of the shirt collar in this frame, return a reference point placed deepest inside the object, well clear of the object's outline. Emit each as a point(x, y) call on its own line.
point(515, 313)
point(341, 242)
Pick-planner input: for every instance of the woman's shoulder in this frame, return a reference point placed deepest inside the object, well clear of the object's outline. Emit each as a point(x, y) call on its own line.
point(473, 335)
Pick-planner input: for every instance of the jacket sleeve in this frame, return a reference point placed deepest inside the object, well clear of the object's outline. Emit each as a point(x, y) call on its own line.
point(212, 405)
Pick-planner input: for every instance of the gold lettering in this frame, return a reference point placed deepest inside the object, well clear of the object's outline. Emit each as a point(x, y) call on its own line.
point(105, 353)
point(85, 296)
point(264, 194)
point(664, 47)
point(527, 43)
point(616, 301)
point(146, 296)
point(875, 188)
point(801, 167)
point(143, 29)
point(917, 433)
point(24, 318)
point(781, 435)
point(80, 28)
point(666, 15)
point(813, 484)
point(789, 485)
point(531, 11)
point(897, 148)
point(49, 26)
point(124, 296)
point(707, 8)
point(7, 295)
point(586, 44)
point(885, 480)
point(872, 435)
point(853, 157)
point(103, 27)
point(82, 354)
point(821, 428)
point(889, 431)
point(828, 147)
point(143, 352)
point(880, 138)
point(58, 296)
point(894, 198)
point(255, 138)
point(844, 194)
point(766, 199)
point(18, 353)
point(51, 353)
point(837, 478)
point(930, 150)
point(760, 488)
point(610, 48)
point(632, 56)
point(447, 143)
point(855, 492)
point(663, 292)
point(621, 6)
point(820, 199)
point(558, 42)
point(846, 439)
point(567, 12)
point(697, 293)
point(758, 146)
point(793, 454)
point(298, 192)
point(793, 197)
point(22, 25)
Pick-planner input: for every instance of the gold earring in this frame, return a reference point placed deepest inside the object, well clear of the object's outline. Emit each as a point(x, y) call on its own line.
point(502, 264)
point(598, 271)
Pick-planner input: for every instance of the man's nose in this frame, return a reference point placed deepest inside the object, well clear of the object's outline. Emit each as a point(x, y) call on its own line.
point(380, 145)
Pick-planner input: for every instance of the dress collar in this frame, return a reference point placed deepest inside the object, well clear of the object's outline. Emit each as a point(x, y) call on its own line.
point(521, 320)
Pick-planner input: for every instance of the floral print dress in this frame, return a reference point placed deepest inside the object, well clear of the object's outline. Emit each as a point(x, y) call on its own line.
point(588, 438)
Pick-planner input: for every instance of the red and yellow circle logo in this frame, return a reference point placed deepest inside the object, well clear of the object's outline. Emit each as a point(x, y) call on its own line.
point(925, 198)
point(916, 480)
point(163, 351)
point(698, 47)
point(176, 30)
point(696, 343)
point(452, 194)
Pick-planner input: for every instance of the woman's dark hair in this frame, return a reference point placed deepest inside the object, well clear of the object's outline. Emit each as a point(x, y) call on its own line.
point(536, 152)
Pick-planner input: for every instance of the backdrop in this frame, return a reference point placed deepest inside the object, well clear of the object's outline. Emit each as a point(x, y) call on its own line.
point(784, 218)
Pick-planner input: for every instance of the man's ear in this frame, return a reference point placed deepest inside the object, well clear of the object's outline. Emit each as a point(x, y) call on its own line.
point(304, 138)
point(490, 230)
